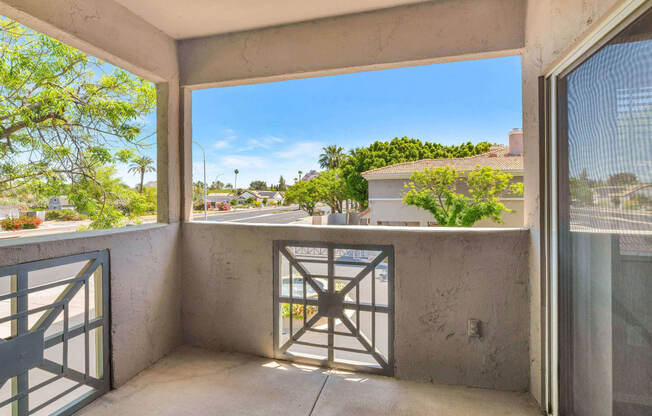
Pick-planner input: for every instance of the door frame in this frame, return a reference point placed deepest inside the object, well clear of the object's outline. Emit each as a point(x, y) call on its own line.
point(549, 85)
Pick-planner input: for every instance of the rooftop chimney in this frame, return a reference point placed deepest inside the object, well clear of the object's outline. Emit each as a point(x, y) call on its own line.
point(516, 142)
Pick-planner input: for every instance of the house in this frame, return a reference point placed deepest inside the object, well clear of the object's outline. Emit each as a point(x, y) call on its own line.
point(213, 199)
point(60, 202)
point(275, 196)
point(538, 320)
point(9, 211)
point(387, 186)
point(248, 195)
point(622, 196)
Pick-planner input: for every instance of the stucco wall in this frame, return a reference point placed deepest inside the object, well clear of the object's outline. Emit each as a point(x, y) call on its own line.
point(145, 287)
point(396, 210)
point(428, 32)
point(552, 27)
point(386, 204)
point(443, 278)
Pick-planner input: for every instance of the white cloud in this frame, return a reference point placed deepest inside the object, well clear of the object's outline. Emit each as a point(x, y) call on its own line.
point(221, 144)
point(300, 149)
point(266, 142)
point(239, 161)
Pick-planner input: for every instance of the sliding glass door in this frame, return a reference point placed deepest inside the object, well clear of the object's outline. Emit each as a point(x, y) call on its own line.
point(604, 212)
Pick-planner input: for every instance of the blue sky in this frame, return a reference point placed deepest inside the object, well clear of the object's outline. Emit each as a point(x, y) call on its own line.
point(273, 129)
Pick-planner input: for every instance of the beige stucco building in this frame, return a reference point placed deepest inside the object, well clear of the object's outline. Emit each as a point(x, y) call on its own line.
point(387, 186)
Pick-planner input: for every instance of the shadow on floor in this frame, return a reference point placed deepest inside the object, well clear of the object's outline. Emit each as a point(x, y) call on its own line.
point(197, 382)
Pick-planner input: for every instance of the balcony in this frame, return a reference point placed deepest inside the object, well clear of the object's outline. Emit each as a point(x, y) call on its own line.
point(552, 316)
point(196, 303)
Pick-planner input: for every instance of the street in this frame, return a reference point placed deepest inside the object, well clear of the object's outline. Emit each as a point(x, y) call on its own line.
point(272, 215)
point(596, 219)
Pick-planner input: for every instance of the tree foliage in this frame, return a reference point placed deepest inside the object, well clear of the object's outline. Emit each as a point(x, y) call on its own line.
point(64, 117)
point(305, 194)
point(332, 157)
point(380, 154)
point(623, 178)
point(328, 188)
point(258, 185)
point(435, 190)
point(141, 165)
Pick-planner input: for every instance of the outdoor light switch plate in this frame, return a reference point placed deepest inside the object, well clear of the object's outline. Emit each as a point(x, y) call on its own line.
point(473, 329)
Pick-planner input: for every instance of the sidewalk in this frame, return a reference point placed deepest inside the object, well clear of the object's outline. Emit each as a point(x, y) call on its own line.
point(55, 227)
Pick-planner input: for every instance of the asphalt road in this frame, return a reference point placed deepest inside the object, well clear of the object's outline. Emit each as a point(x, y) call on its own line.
point(590, 219)
point(278, 215)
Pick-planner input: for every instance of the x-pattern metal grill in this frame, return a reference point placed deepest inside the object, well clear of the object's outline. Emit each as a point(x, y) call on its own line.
point(310, 285)
point(67, 389)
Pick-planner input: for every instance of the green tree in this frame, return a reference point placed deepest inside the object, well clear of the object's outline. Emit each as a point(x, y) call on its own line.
point(305, 194)
point(580, 191)
point(235, 182)
point(623, 178)
point(281, 184)
point(434, 190)
point(331, 189)
point(141, 165)
point(380, 154)
point(332, 157)
point(64, 118)
point(258, 185)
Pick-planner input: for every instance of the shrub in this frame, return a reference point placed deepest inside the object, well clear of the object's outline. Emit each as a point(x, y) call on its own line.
point(250, 200)
point(234, 201)
point(257, 204)
point(20, 223)
point(223, 206)
point(297, 311)
point(63, 215)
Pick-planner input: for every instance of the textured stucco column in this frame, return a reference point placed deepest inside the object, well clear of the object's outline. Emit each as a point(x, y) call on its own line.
point(168, 160)
point(185, 149)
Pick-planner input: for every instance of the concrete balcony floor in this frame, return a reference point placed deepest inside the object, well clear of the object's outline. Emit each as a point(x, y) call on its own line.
point(192, 381)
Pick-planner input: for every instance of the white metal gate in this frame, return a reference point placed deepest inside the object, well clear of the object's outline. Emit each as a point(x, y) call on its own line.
point(334, 305)
point(54, 334)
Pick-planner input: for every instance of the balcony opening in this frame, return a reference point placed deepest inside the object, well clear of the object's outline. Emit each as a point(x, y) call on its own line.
point(78, 140)
point(428, 146)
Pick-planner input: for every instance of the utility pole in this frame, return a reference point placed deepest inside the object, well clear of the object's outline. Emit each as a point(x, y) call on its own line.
point(205, 202)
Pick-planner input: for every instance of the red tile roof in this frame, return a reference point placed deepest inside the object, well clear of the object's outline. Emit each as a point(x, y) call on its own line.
point(497, 157)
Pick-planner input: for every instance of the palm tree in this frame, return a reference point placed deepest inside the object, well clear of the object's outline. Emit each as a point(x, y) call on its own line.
point(235, 183)
point(332, 157)
point(141, 165)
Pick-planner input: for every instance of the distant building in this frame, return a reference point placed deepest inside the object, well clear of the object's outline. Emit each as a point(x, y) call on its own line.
point(7, 211)
point(275, 196)
point(60, 202)
point(387, 186)
point(213, 200)
point(618, 196)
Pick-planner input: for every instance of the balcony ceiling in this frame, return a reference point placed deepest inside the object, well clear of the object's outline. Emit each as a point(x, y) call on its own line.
point(195, 18)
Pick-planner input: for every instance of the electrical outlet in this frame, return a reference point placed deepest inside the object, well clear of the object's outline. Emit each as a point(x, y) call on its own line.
point(473, 328)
